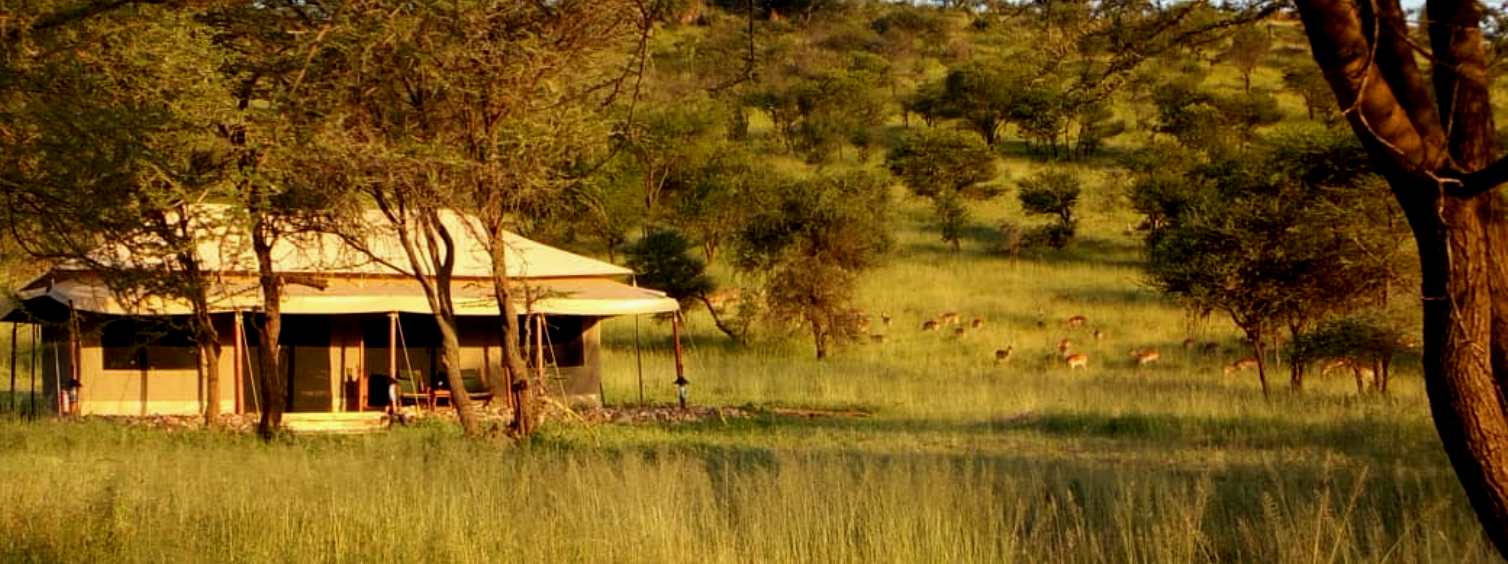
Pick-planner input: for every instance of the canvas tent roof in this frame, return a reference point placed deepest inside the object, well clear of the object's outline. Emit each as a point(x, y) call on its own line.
point(560, 296)
point(553, 281)
point(323, 253)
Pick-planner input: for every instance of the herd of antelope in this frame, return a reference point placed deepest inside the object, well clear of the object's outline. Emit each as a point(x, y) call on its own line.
point(1066, 354)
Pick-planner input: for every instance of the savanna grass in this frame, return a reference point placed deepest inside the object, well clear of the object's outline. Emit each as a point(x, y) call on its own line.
point(941, 455)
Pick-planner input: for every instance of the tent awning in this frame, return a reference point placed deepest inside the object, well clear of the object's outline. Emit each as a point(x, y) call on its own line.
point(561, 296)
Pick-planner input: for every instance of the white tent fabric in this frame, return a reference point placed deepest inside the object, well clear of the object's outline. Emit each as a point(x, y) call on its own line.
point(229, 251)
point(562, 296)
point(370, 280)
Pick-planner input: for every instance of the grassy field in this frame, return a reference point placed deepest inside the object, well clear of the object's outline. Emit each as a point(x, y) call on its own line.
point(935, 453)
point(957, 459)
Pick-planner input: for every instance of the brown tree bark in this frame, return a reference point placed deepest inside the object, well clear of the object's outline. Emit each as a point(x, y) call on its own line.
point(432, 267)
point(1258, 350)
point(269, 329)
point(208, 342)
point(1433, 141)
point(515, 381)
point(717, 320)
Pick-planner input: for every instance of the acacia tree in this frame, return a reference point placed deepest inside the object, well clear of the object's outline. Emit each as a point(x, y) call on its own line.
point(1248, 46)
point(108, 127)
point(1432, 136)
point(445, 109)
point(1053, 194)
point(808, 242)
point(275, 61)
point(947, 167)
point(522, 115)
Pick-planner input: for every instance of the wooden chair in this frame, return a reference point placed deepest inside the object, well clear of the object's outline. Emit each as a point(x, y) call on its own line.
point(476, 388)
point(411, 387)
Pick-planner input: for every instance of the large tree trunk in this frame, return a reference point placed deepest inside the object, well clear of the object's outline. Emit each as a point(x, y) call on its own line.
point(1444, 179)
point(1463, 378)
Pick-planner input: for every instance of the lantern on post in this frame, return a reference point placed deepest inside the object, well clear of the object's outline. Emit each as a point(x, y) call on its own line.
point(682, 389)
point(680, 370)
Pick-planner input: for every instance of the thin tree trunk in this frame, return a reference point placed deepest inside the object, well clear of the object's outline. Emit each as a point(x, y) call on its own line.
point(718, 321)
point(819, 337)
point(516, 381)
point(1295, 368)
point(450, 361)
point(208, 341)
point(269, 330)
point(1257, 347)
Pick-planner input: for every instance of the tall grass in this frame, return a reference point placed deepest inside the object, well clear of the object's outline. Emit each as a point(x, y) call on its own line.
point(92, 492)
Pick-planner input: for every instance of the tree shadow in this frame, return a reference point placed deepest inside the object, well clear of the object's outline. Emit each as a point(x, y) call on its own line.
point(1142, 435)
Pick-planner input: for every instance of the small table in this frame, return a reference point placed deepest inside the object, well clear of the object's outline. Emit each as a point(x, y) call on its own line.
point(436, 395)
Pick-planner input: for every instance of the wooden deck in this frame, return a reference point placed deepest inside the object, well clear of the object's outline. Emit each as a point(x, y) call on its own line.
point(345, 423)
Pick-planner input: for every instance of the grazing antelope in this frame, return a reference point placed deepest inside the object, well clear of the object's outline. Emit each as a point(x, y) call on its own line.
point(1189, 344)
point(929, 325)
point(959, 331)
point(948, 318)
point(1077, 360)
point(1239, 366)
point(1077, 321)
point(724, 298)
point(1364, 374)
point(1099, 335)
point(885, 319)
point(877, 338)
point(1003, 356)
point(977, 322)
point(1063, 347)
point(1145, 357)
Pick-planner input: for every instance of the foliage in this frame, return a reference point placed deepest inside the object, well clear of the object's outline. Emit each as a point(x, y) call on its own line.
point(1270, 237)
point(662, 261)
point(1055, 194)
point(1249, 45)
point(1211, 122)
point(809, 241)
point(816, 112)
point(1304, 79)
point(1360, 338)
point(947, 167)
point(106, 157)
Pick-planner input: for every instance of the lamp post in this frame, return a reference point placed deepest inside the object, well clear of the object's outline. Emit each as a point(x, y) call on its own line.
point(682, 389)
point(680, 370)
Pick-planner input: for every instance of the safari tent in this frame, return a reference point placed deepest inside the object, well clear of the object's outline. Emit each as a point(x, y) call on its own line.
point(360, 325)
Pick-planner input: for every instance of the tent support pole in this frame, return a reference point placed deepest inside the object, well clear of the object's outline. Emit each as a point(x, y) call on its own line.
point(639, 359)
point(14, 327)
point(539, 347)
point(680, 368)
point(237, 370)
point(392, 357)
point(74, 353)
point(36, 360)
